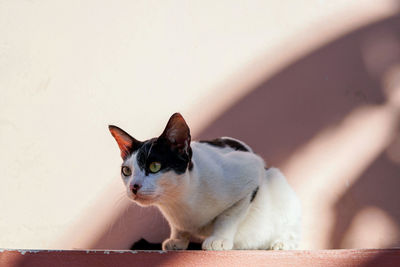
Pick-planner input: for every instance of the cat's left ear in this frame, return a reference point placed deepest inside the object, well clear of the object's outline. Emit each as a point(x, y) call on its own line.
point(177, 133)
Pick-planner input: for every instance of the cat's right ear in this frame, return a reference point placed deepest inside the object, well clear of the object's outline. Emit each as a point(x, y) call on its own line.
point(126, 143)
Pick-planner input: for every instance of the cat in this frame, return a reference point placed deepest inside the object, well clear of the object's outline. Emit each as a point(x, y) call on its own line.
point(218, 191)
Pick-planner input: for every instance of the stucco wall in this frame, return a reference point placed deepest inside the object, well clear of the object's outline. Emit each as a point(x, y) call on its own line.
point(311, 85)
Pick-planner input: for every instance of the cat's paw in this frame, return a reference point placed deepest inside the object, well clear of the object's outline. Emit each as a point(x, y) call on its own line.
point(175, 244)
point(277, 246)
point(217, 243)
point(281, 245)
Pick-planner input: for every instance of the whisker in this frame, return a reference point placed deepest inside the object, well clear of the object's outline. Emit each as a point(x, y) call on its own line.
point(117, 203)
point(120, 198)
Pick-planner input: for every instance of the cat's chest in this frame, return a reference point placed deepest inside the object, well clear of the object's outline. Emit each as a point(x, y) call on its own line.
point(187, 218)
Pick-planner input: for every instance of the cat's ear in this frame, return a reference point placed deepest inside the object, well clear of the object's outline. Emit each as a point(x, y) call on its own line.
point(126, 143)
point(177, 133)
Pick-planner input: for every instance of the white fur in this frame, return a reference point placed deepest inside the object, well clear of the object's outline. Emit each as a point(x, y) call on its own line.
point(212, 201)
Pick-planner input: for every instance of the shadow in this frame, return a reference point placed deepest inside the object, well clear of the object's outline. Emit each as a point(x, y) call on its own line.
point(315, 93)
point(388, 257)
point(378, 186)
point(143, 244)
point(319, 91)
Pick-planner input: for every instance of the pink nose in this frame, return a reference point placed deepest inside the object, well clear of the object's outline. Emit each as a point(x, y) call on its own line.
point(134, 188)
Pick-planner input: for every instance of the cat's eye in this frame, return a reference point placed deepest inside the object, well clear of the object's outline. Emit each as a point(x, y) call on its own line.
point(155, 167)
point(126, 171)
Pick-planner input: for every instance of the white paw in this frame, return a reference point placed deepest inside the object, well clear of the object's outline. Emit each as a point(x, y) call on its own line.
point(281, 245)
point(216, 243)
point(277, 246)
point(175, 244)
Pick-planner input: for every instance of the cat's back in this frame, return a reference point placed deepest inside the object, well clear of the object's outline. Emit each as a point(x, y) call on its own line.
point(225, 145)
point(225, 153)
point(226, 170)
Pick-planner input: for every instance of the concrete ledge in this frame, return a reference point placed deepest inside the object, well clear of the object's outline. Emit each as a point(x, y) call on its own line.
point(121, 258)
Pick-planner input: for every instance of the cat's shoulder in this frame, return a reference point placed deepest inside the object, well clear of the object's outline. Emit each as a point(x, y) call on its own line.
point(226, 142)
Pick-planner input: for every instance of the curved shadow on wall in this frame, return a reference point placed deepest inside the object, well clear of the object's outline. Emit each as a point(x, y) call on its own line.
point(318, 91)
point(313, 93)
point(288, 110)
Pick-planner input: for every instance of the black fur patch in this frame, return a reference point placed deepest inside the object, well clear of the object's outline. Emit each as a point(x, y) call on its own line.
point(160, 151)
point(254, 194)
point(221, 142)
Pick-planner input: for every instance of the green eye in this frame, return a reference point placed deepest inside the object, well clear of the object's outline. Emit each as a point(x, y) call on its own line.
point(155, 167)
point(126, 171)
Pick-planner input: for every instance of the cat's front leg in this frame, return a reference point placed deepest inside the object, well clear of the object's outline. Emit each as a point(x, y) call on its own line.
point(226, 225)
point(178, 240)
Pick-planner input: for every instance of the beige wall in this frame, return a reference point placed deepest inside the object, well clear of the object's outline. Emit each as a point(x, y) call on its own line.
point(311, 85)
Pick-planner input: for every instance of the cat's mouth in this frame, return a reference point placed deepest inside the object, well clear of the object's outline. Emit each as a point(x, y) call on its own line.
point(144, 198)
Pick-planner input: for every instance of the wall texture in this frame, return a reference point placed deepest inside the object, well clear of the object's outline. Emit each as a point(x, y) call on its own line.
point(312, 85)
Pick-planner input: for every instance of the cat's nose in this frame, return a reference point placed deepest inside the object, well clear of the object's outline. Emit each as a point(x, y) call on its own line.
point(134, 188)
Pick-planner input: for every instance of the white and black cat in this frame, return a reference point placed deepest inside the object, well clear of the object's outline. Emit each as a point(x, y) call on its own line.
point(219, 190)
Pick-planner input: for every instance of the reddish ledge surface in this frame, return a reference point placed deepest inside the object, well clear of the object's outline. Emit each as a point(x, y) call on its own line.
point(82, 258)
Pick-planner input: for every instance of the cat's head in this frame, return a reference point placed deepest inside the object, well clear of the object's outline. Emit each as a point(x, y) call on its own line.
point(153, 170)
